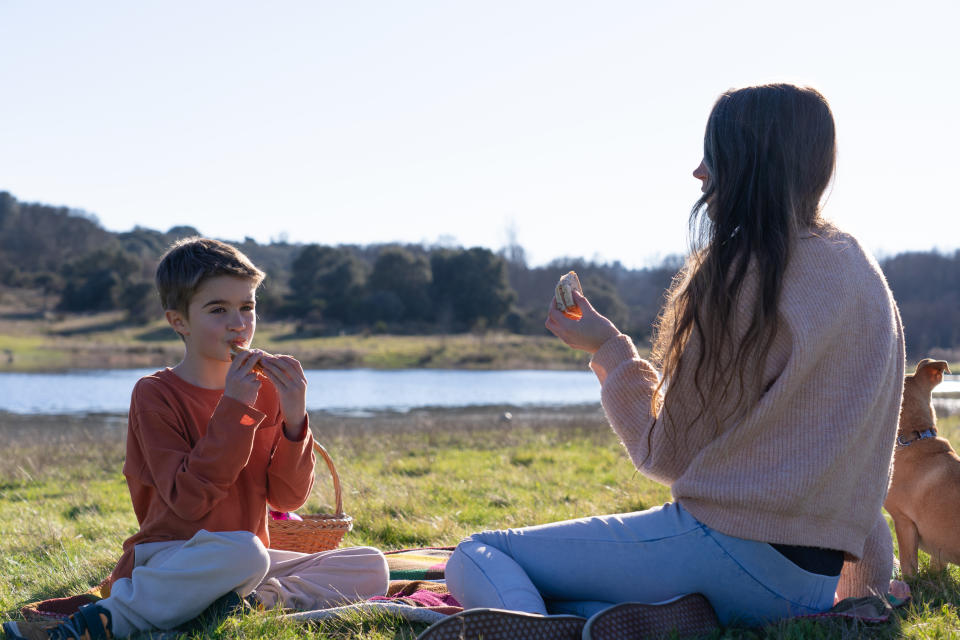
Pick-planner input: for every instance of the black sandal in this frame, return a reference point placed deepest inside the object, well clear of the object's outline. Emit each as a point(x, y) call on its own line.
point(500, 624)
point(687, 616)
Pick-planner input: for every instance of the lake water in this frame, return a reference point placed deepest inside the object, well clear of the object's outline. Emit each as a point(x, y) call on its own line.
point(346, 391)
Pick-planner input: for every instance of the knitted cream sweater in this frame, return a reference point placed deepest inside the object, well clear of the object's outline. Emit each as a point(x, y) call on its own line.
point(809, 462)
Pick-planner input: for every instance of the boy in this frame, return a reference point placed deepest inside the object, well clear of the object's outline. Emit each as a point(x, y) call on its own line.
point(210, 444)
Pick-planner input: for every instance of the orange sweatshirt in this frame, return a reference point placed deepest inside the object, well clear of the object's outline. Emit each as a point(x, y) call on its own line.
point(198, 460)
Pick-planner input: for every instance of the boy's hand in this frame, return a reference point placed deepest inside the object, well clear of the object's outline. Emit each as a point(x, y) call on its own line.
point(287, 376)
point(242, 383)
point(586, 334)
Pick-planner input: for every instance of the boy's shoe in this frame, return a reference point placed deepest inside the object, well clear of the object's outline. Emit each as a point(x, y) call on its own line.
point(500, 624)
point(687, 616)
point(90, 622)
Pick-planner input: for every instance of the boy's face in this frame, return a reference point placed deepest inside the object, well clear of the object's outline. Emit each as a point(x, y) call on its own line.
point(222, 312)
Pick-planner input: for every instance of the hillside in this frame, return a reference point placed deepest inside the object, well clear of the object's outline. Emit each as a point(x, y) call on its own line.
point(56, 262)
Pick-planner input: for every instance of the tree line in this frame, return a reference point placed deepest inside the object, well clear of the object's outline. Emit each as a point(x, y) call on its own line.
point(78, 266)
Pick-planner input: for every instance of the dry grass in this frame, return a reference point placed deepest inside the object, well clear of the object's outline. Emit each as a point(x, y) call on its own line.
point(31, 341)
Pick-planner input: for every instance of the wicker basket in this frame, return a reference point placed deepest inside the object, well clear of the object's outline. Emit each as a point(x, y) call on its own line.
point(319, 532)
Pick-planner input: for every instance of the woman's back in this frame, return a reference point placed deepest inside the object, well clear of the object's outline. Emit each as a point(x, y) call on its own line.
point(800, 464)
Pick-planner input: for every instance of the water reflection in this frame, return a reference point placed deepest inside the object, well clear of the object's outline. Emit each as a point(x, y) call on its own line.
point(108, 391)
point(348, 391)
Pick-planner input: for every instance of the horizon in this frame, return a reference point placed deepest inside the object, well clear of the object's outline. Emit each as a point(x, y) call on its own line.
point(441, 243)
point(572, 130)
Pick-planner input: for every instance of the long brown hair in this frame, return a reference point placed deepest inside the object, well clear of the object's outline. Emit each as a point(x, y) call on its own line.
point(770, 152)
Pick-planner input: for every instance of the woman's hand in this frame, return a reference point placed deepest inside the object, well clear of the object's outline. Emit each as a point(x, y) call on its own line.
point(586, 334)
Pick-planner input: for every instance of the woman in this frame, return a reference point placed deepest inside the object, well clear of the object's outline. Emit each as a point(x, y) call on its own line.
point(772, 415)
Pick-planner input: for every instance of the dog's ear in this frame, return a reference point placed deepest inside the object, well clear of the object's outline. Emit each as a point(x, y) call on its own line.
point(932, 370)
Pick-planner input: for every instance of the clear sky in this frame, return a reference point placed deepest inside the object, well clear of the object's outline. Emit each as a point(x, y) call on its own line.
point(574, 124)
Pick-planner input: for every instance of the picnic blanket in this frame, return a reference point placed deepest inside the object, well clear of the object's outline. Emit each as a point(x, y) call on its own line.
point(413, 600)
point(424, 563)
point(870, 609)
point(418, 593)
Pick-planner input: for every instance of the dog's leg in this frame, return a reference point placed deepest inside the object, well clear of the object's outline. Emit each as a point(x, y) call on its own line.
point(907, 540)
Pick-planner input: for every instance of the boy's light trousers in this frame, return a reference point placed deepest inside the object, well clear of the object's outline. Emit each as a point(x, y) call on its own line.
point(173, 582)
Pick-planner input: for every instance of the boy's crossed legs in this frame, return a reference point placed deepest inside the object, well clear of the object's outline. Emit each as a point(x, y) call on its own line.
point(321, 580)
point(174, 582)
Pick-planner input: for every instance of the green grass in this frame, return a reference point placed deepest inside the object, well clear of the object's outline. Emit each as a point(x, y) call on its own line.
point(64, 509)
point(491, 350)
point(29, 353)
point(44, 343)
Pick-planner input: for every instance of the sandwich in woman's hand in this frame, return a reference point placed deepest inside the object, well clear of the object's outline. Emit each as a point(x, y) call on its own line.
point(564, 295)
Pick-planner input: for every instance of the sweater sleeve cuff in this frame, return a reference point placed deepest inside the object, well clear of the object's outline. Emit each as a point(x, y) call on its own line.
point(612, 354)
point(231, 411)
point(289, 451)
point(303, 430)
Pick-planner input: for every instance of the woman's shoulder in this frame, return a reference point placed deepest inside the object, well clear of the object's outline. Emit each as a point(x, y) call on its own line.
point(832, 254)
point(833, 277)
point(830, 239)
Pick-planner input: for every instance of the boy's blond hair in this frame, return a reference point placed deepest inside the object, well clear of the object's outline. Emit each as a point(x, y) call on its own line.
point(191, 261)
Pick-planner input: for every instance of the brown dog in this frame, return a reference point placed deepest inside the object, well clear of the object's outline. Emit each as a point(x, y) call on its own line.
point(924, 496)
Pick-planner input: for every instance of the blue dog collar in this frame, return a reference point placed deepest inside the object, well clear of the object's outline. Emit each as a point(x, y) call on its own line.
point(921, 435)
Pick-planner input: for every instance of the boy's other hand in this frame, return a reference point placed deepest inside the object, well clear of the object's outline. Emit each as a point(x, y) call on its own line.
point(242, 383)
point(287, 376)
point(586, 334)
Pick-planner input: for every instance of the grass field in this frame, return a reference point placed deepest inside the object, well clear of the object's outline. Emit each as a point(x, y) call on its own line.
point(32, 342)
point(416, 479)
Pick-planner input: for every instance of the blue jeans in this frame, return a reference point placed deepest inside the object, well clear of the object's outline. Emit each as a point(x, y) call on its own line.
point(584, 566)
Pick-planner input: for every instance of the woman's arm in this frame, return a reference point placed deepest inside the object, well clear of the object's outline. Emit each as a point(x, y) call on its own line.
point(627, 385)
point(627, 381)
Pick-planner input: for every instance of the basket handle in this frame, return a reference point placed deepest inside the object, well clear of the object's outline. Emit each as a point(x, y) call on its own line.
point(338, 494)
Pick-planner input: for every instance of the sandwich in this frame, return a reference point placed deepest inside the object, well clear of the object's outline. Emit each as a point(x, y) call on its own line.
point(564, 295)
point(237, 350)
